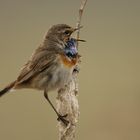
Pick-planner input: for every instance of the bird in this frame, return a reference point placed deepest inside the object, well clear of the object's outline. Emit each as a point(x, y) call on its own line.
point(51, 65)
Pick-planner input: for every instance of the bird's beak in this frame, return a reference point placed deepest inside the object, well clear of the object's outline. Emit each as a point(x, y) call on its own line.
point(77, 28)
point(81, 40)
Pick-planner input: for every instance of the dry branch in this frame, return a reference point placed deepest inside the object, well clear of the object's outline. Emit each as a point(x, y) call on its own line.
point(80, 17)
point(67, 102)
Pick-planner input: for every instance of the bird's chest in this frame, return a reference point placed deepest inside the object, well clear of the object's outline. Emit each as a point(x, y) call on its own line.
point(59, 78)
point(67, 62)
point(66, 67)
point(55, 77)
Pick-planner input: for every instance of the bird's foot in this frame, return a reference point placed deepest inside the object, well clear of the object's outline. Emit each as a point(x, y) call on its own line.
point(62, 118)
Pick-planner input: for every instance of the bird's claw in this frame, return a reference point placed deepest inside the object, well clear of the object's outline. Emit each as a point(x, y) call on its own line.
point(62, 118)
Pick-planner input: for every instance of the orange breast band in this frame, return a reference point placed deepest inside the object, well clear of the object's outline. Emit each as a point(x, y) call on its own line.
point(67, 61)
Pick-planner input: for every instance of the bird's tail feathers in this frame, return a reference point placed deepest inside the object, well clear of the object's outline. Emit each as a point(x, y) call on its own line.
point(7, 88)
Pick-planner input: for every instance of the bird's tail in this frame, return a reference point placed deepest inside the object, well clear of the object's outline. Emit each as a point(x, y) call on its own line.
point(7, 88)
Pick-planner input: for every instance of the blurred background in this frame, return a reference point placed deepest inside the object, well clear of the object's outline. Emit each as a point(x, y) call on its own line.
point(109, 80)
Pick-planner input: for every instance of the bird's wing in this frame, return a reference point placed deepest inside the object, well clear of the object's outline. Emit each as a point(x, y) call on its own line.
point(38, 62)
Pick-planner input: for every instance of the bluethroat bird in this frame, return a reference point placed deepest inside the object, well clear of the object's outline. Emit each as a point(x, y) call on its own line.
point(51, 65)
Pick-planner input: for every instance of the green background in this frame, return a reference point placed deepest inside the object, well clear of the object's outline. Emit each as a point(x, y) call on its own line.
point(109, 79)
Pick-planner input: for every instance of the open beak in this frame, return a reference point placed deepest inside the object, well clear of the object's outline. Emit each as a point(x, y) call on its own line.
point(80, 40)
point(75, 29)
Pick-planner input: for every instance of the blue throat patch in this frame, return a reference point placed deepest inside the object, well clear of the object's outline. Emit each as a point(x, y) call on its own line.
point(71, 48)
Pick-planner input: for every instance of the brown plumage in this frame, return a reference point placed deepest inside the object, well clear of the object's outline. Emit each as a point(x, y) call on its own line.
point(49, 67)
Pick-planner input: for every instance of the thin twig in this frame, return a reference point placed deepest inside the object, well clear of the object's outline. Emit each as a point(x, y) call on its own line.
point(80, 18)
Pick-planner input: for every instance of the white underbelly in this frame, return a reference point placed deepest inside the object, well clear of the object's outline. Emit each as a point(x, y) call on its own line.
point(54, 78)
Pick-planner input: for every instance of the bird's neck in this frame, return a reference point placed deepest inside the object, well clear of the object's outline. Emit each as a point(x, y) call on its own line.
point(52, 41)
point(71, 48)
point(55, 45)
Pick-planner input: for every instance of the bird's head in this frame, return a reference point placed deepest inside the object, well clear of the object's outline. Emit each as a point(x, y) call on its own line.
point(61, 33)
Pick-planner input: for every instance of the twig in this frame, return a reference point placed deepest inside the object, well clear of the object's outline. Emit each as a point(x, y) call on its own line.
point(80, 18)
point(67, 102)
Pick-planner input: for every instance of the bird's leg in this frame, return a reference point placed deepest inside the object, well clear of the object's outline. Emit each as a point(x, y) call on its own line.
point(60, 117)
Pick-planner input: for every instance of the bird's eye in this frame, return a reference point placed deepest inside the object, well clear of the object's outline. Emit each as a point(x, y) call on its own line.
point(67, 32)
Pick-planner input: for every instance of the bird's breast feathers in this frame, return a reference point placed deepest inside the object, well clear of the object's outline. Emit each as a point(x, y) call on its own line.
point(68, 62)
